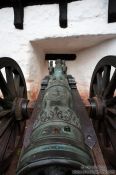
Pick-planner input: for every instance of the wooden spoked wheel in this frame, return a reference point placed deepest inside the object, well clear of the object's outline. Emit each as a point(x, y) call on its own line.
point(103, 102)
point(12, 87)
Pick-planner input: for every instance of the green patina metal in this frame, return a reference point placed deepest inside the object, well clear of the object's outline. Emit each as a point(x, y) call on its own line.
point(56, 140)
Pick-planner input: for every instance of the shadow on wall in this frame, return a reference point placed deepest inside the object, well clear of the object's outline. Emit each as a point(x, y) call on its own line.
point(38, 69)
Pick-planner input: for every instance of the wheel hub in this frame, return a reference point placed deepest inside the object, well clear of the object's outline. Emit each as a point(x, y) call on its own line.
point(97, 108)
point(19, 108)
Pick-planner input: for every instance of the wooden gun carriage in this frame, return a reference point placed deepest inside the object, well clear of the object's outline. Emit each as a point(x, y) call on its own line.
point(58, 97)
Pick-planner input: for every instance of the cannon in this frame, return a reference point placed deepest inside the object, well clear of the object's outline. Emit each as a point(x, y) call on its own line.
point(64, 129)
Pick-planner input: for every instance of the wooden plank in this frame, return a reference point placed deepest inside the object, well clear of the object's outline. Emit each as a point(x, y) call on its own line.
point(99, 160)
point(112, 11)
point(18, 13)
point(63, 13)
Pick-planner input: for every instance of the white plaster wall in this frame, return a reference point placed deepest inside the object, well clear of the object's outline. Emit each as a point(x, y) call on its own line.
point(85, 63)
point(85, 18)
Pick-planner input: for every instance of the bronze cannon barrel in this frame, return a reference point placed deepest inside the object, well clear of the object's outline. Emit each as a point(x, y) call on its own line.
point(57, 144)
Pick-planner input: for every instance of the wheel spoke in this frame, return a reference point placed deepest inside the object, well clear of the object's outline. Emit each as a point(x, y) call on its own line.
point(111, 122)
point(5, 104)
point(2, 102)
point(96, 124)
point(4, 113)
point(99, 83)
point(4, 87)
point(4, 142)
point(105, 138)
point(17, 84)
point(100, 126)
point(110, 156)
point(109, 92)
point(111, 117)
point(95, 89)
point(21, 91)
point(111, 112)
point(5, 123)
point(11, 143)
point(18, 128)
point(10, 81)
point(111, 101)
point(106, 76)
point(112, 135)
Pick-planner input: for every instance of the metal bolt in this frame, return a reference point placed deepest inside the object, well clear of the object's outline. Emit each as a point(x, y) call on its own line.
point(89, 137)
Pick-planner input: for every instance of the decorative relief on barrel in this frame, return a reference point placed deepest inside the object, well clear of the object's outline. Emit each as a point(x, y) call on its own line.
point(57, 113)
